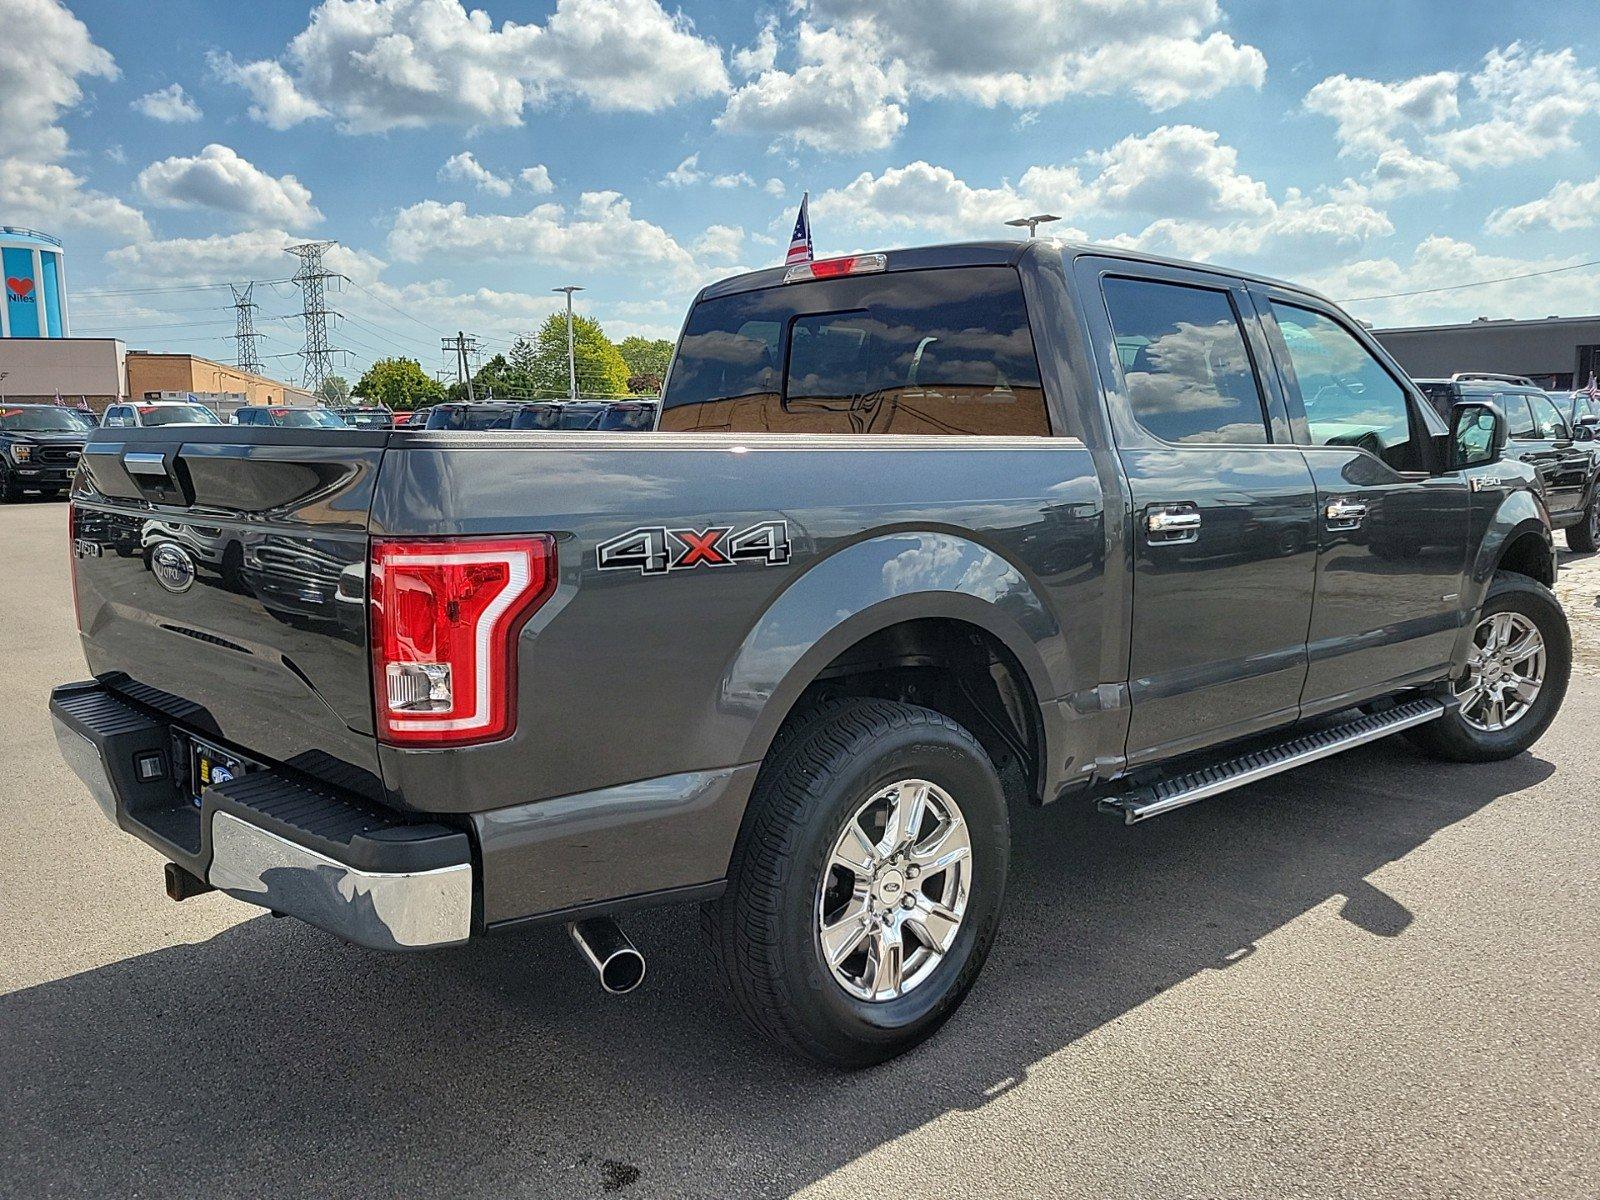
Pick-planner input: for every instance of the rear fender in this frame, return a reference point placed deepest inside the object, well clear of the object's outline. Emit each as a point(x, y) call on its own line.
point(867, 587)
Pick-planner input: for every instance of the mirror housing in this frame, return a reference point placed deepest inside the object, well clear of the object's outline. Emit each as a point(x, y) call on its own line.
point(1477, 434)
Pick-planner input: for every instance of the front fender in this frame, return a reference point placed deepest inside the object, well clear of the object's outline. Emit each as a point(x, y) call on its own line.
point(1518, 514)
point(869, 586)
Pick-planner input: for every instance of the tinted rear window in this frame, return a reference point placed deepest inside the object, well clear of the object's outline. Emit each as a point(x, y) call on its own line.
point(921, 352)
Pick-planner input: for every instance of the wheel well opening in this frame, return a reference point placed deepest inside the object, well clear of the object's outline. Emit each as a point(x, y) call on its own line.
point(953, 668)
point(1528, 555)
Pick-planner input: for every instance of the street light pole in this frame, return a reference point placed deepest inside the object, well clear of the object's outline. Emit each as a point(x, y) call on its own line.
point(1032, 223)
point(572, 355)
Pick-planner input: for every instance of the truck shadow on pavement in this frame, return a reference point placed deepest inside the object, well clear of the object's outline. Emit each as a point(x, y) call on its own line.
point(273, 1057)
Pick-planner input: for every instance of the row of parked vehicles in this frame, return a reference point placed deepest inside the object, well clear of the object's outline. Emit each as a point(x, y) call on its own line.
point(40, 444)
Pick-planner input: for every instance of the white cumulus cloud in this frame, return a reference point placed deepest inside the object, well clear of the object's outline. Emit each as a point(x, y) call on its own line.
point(170, 104)
point(1565, 207)
point(219, 179)
point(465, 168)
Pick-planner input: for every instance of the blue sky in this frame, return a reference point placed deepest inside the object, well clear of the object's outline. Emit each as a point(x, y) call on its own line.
point(467, 161)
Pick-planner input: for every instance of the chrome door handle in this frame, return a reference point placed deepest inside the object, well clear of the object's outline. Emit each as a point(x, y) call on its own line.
point(1344, 514)
point(1168, 526)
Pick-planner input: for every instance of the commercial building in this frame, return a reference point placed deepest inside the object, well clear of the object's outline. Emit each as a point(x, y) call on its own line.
point(1557, 352)
point(153, 376)
point(72, 370)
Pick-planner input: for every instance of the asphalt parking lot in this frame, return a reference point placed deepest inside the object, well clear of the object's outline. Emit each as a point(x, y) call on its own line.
point(1377, 976)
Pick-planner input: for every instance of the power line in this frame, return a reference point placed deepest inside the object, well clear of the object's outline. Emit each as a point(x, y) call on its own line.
point(176, 287)
point(1456, 287)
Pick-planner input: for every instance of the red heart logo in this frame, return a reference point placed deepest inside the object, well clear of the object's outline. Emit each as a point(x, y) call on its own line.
point(22, 287)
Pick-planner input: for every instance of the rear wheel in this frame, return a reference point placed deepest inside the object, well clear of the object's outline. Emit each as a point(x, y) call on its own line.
point(1584, 537)
point(1515, 680)
point(866, 888)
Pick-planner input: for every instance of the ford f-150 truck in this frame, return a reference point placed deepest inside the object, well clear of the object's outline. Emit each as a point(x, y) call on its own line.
point(918, 536)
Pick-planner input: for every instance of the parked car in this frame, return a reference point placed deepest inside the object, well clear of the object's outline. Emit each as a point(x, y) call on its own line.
point(373, 417)
point(921, 535)
point(1541, 432)
point(285, 417)
point(158, 412)
point(39, 448)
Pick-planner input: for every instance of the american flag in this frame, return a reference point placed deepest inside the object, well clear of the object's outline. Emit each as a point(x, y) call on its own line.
point(800, 241)
point(1593, 390)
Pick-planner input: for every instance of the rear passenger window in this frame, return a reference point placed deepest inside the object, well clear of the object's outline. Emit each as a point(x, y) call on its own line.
point(1547, 423)
point(914, 352)
point(1185, 364)
point(1519, 418)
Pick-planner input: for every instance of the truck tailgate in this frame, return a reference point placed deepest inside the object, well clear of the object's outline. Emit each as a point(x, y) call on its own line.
point(220, 576)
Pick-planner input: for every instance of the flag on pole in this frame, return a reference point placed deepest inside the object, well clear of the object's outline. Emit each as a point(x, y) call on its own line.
point(800, 241)
point(1593, 390)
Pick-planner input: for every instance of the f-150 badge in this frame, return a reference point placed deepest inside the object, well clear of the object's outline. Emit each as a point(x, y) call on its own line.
point(656, 550)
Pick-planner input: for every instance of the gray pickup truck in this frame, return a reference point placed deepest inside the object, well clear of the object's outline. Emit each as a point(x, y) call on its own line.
point(918, 536)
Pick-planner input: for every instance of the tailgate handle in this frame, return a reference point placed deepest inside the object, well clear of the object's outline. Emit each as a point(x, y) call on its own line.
point(145, 463)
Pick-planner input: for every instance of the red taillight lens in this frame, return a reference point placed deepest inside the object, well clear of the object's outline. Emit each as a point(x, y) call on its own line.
point(445, 618)
point(833, 268)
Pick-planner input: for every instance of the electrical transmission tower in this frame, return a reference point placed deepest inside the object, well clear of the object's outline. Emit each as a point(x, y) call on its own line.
point(310, 279)
point(460, 348)
point(244, 309)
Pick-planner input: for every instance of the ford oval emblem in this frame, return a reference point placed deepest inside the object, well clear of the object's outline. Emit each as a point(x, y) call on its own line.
point(172, 566)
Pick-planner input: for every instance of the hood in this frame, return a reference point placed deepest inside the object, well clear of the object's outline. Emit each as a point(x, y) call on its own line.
point(76, 438)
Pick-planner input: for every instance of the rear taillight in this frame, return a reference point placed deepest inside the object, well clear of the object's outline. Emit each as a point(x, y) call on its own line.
point(833, 268)
point(445, 616)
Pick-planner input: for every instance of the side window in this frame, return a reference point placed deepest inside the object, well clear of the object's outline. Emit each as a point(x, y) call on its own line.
point(1350, 400)
point(1547, 423)
point(945, 351)
point(1185, 364)
point(117, 417)
point(1519, 417)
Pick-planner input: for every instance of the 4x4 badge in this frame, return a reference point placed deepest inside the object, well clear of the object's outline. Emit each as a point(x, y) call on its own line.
point(656, 550)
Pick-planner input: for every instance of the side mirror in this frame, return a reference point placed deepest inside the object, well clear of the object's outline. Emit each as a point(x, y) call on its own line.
point(1583, 433)
point(1477, 434)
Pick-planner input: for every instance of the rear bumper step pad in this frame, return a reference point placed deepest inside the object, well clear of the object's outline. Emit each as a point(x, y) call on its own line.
point(1143, 803)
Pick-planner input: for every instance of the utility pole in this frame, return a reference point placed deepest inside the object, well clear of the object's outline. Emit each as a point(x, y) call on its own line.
point(572, 354)
point(310, 277)
point(244, 309)
point(1032, 223)
point(459, 347)
point(3, 375)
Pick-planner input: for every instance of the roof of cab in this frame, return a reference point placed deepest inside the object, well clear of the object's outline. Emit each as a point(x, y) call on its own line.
point(996, 252)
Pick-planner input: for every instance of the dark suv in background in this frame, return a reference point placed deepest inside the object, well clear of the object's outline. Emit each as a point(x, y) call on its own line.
point(39, 448)
point(1549, 435)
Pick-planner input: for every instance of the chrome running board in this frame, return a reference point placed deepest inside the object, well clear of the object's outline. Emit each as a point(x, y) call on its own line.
point(1179, 790)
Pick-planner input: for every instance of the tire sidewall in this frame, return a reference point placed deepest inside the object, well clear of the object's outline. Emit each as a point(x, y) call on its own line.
point(944, 757)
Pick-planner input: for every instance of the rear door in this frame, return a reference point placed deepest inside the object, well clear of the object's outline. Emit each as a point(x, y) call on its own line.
point(220, 576)
point(1563, 463)
point(1224, 508)
point(1391, 533)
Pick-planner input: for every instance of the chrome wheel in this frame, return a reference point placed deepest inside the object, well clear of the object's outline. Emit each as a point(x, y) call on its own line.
point(1504, 674)
point(894, 891)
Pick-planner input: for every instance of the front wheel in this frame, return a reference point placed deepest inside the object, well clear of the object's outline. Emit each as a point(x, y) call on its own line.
point(1515, 680)
point(866, 888)
point(10, 489)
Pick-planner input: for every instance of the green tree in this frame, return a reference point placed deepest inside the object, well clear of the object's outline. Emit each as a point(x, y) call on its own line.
point(646, 356)
point(601, 369)
point(335, 390)
point(399, 383)
point(499, 378)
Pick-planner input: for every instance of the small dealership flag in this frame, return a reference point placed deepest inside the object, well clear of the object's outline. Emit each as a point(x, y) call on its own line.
point(1593, 390)
point(800, 242)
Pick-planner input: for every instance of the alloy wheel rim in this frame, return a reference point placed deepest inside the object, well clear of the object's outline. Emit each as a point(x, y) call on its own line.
point(1504, 674)
point(894, 891)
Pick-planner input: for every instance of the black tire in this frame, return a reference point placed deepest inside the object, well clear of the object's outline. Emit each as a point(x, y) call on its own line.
point(1584, 537)
point(10, 489)
point(763, 930)
point(1452, 737)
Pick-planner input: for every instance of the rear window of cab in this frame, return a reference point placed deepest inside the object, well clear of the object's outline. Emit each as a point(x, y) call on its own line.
point(944, 351)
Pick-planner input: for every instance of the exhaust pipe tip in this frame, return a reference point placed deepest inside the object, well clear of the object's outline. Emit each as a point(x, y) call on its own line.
point(614, 959)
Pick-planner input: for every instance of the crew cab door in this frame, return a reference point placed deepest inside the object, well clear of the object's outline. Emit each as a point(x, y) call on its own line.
point(1392, 532)
point(1223, 506)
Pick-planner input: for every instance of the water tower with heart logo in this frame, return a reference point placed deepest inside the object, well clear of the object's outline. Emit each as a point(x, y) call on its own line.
point(33, 284)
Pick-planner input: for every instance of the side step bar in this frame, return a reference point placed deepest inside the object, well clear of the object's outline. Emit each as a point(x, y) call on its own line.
point(1179, 790)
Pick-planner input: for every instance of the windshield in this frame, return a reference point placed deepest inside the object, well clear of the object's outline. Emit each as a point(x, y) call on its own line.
point(471, 418)
point(306, 418)
point(44, 420)
point(177, 414)
point(367, 419)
